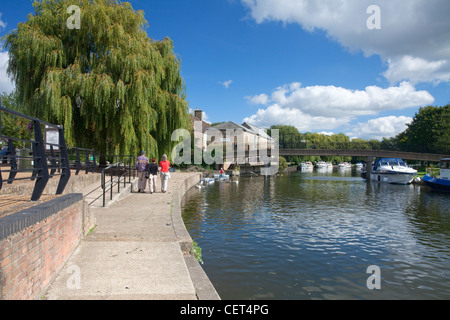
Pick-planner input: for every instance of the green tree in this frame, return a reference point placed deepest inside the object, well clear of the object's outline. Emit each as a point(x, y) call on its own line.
point(442, 143)
point(12, 126)
point(428, 132)
point(111, 86)
point(289, 138)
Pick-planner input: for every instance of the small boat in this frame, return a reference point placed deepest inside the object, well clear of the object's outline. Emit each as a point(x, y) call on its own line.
point(359, 165)
point(304, 166)
point(321, 164)
point(441, 182)
point(391, 170)
point(222, 177)
point(345, 165)
point(207, 181)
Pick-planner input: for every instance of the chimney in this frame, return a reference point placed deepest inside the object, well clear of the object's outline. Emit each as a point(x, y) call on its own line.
point(199, 114)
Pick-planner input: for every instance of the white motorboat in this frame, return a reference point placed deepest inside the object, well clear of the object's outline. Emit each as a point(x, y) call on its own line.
point(222, 177)
point(321, 164)
point(392, 170)
point(345, 165)
point(207, 181)
point(307, 165)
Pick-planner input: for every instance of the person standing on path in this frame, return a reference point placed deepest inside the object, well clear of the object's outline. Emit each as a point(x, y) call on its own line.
point(152, 175)
point(141, 167)
point(165, 175)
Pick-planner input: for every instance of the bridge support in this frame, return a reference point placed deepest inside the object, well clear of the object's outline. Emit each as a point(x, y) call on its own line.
point(369, 167)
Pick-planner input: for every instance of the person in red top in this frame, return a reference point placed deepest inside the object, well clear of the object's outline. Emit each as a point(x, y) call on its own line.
point(165, 175)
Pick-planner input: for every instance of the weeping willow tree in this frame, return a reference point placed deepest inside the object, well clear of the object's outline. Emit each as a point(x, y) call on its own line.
point(111, 86)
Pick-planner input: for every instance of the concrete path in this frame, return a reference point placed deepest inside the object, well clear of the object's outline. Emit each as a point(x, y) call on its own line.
point(138, 250)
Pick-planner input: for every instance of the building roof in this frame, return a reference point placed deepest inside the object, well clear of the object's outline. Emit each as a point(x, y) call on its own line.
point(230, 125)
point(259, 131)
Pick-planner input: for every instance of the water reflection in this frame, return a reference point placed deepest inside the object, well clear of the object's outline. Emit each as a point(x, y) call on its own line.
point(313, 235)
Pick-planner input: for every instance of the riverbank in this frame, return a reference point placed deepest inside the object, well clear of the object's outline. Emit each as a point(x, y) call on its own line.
point(139, 249)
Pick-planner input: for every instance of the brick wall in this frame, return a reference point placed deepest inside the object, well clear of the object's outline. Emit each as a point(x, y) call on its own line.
point(35, 244)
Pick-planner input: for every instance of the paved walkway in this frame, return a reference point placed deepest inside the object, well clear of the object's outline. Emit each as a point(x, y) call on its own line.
point(137, 251)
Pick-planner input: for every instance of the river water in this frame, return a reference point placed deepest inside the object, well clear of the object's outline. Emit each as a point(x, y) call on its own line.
point(314, 236)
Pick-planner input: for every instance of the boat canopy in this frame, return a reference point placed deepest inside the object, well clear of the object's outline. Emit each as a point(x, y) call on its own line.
point(391, 162)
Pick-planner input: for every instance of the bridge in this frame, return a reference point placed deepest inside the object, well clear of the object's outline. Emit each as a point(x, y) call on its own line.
point(364, 153)
point(367, 153)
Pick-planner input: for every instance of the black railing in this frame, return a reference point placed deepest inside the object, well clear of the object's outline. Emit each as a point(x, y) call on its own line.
point(83, 159)
point(123, 169)
point(39, 158)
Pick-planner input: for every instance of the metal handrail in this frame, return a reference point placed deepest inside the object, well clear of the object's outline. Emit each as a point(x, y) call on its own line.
point(39, 156)
point(119, 170)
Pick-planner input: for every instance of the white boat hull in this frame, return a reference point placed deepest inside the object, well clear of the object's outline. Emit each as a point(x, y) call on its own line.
point(393, 178)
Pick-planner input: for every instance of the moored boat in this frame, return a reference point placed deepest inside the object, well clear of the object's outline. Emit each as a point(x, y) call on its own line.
point(222, 177)
point(321, 164)
point(442, 181)
point(392, 170)
point(344, 165)
point(305, 166)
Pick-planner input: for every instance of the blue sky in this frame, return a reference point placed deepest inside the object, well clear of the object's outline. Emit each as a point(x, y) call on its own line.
point(308, 63)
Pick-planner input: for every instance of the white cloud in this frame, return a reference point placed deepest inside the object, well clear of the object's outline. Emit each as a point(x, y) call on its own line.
point(414, 34)
point(6, 85)
point(327, 108)
point(326, 133)
point(227, 83)
point(259, 99)
point(417, 70)
point(380, 128)
point(277, 115)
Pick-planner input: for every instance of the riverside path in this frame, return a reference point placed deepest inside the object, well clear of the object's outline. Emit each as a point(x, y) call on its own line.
point(138, 250)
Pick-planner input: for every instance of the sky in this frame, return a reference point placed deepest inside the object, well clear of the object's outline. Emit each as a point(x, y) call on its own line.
point(359, 67)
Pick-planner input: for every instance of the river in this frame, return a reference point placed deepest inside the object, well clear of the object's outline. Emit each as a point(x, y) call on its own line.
point(300, 236)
